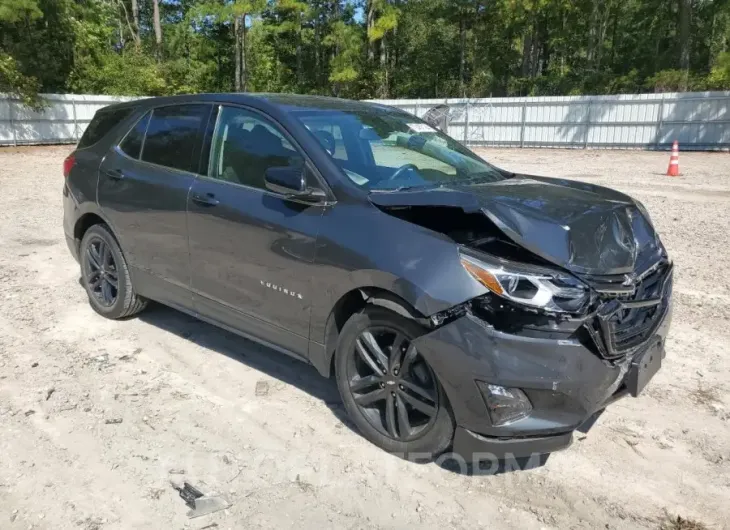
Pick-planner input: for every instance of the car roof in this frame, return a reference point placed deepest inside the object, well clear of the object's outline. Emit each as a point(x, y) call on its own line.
point(281, 102)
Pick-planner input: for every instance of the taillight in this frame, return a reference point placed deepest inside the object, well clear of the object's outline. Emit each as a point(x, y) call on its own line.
point(68, 164)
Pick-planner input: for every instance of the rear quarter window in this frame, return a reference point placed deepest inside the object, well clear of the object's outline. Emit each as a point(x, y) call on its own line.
point(132, 143)
point(102, 123)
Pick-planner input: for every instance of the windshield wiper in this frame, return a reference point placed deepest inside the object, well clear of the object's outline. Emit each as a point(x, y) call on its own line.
point(406, 188)
point(482, 177)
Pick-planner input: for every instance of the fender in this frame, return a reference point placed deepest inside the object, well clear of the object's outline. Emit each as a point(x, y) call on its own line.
point(418, 265)
point(93, 208)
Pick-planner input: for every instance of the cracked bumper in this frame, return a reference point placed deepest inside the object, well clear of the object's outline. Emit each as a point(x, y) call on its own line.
point(567, 384)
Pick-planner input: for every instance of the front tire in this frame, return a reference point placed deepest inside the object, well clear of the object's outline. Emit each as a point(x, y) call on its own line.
point(105, 275)
point(388, 389)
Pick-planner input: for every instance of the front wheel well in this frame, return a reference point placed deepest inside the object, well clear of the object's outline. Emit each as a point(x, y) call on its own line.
point(353, 302)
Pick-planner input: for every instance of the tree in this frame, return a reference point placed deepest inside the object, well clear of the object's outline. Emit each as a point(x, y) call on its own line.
point(382, 21)
point(158, 26)
point(364, 48)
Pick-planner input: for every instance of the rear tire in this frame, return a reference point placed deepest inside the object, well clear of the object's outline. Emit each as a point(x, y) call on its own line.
point(105, 275)
point(388, 389)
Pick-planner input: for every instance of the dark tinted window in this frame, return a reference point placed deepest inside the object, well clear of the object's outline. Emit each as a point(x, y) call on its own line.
point(172, 136)
point(245, 145)
point(132, 143)
point(103, 122)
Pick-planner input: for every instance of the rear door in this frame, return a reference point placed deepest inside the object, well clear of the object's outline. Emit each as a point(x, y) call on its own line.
point(143, 189)
point(252, 250)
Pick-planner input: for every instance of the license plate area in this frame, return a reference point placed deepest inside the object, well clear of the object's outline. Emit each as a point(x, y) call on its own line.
point(643, 368)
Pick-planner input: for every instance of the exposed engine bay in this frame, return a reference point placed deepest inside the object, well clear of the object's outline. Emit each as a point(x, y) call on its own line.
point(618, 313)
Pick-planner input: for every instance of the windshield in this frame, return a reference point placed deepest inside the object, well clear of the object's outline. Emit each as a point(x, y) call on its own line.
point(382, 149)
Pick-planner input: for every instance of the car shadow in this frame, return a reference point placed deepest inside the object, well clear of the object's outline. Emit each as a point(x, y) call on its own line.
point(269, 362)
point(493, 467)
point(305, 377)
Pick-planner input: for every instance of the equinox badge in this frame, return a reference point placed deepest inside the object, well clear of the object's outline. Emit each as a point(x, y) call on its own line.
point(281, 289)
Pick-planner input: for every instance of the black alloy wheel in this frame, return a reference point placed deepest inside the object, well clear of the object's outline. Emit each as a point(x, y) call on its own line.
point(391, 384)
point(101, 272)
point(105, 275)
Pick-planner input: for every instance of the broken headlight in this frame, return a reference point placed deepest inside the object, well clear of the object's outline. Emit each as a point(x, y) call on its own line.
point(528, 285)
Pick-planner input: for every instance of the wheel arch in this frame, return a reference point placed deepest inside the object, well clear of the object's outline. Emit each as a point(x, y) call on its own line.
point(349, 304)
point(86, 221)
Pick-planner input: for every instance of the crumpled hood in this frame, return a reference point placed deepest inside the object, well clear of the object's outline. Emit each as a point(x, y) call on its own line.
point(582, 227)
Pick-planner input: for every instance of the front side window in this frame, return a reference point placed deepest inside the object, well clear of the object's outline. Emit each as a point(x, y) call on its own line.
point(245, 145)
point(173, 136)
point(386, 149)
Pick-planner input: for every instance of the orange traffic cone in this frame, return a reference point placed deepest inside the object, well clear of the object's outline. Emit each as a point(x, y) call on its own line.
point(673, 170)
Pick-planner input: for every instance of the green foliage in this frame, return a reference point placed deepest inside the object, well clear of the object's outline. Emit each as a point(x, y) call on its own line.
point(386, 20)
point(345, 65)
point(17, 10)
point(131, 73)
point(719, 78)
point(15, 83)
point(364, 48)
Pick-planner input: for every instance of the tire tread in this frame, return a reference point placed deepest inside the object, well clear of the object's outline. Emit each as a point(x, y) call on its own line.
point(132, 302)
point(439, 437)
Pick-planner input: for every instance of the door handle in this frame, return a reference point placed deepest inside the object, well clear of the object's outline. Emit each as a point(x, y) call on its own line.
point(115, 174)
point(205, 200)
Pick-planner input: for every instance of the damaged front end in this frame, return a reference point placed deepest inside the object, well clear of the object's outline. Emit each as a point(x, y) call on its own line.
point(612, 314)
point(555, 344)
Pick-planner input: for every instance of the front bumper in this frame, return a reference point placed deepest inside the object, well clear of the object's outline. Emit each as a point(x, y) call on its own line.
point(566, 383)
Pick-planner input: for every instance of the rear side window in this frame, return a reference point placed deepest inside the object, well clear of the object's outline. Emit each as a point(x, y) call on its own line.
point(173, 136)
point(103, 122)
point(132, 143)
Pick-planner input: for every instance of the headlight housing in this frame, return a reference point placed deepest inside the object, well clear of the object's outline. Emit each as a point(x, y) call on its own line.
point(528, 285)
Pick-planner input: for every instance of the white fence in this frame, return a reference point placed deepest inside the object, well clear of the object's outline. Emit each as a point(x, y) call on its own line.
point(698, 120)
point(63, 121)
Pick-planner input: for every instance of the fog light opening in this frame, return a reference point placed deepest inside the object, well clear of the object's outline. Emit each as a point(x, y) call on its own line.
point(505, 405)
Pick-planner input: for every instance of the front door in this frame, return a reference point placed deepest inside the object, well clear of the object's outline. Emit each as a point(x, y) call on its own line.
point(251, 250)
point(143, 189)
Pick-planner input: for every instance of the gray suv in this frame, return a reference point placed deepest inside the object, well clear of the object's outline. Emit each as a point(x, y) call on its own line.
point(459, 306)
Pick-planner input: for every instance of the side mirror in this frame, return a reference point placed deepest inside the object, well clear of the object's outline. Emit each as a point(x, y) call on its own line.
point(292, 182)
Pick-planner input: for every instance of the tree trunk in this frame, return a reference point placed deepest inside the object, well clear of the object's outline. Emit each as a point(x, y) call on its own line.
point(135, 20)
point(591, 51)
point(616, 14)
point(462, 56)
point(685, 15)
point(244, 71)
point(121, 34)
point(370, 24)
point(158, 26)
point(237, 34)
point(317, 55)
point(300, 65)
point(601, 34)
point(527, 54)
point(384, 68)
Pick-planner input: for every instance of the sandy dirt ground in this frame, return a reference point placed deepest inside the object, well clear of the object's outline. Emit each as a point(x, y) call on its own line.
point(97, 417)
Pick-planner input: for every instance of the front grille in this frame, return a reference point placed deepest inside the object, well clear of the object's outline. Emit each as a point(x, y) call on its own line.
point(627, 318)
